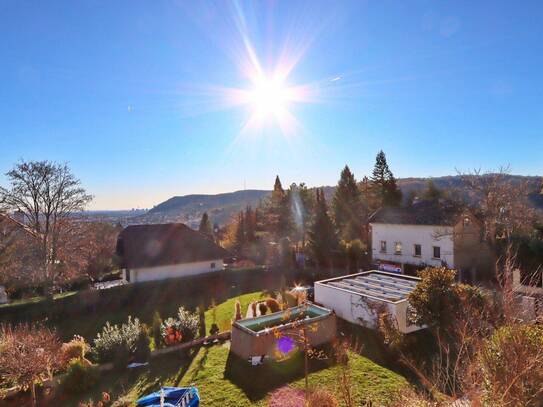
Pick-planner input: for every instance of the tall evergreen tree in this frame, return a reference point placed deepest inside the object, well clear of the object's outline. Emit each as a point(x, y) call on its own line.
point(205, 226)
point(383, 184)
point(239, 238)
point(250, 224)
point(347, 206)
point(278, 213)
point(322, 235)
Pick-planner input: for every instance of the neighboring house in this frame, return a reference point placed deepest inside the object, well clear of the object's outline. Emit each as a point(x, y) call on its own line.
point(360, 298)
point(429, 233)
point(161, 251)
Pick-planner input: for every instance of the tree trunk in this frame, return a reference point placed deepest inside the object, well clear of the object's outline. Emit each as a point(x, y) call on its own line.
point(33, 395)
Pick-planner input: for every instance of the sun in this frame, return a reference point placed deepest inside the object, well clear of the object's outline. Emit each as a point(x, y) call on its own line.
point(269, 97)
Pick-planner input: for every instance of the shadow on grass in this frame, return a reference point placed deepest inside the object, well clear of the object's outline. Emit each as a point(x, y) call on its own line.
point(161, 371)
point(368, 343)
point(257, 381)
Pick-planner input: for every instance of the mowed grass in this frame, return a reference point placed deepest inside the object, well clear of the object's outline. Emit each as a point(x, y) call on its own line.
point(225, 380)
point(223, 314)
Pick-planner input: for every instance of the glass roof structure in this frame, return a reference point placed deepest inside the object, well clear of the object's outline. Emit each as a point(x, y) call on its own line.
point(380, 285)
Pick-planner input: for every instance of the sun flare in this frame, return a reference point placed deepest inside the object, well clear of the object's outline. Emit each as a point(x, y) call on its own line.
point(269, 97)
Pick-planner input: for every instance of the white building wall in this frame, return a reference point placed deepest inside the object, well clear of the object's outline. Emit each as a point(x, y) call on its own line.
point(353, 308)
point(174, 270)
point(409, 235)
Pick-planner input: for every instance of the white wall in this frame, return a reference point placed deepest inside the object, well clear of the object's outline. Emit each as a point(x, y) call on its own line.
point(409, 235)
point(353, 308)
point(174, 270)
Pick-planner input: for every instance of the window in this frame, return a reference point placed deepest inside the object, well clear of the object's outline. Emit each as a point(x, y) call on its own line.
point(437, 252)
point(398, 248)
point(212, 265)
point(383, 246)
point(417, 250)
point(466, 222)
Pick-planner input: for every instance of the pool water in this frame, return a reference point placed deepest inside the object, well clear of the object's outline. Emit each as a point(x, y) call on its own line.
point(283, 317)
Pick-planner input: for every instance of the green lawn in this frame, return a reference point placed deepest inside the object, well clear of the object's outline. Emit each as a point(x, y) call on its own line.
point(226, 381)
point(223, 313)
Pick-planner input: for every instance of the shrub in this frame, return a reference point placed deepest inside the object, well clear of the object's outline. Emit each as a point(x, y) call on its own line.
point(157, 330)
point(143, 350)
point(262, 308)
point(80, 377)
point(117, 343)
point(512, 365)
point(322, 398)
point(75, 349)
point(214, 330)
point(290, 299)
point(237, 311)
point(183, 328)
point(273, 305)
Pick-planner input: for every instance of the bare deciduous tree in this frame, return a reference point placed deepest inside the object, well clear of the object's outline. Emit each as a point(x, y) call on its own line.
point(502, 201)
point(47, 194)
point(28, 356)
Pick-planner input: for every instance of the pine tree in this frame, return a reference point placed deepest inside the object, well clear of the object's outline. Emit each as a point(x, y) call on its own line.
point(322, 234)
point(385, 191)
point(250, 224)
point(278, 212)
point(347, 206)
point(205, 226)
point(240, 233)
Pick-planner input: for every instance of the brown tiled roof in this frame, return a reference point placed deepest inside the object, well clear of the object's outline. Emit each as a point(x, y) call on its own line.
point(421, 213)
point(165, 244)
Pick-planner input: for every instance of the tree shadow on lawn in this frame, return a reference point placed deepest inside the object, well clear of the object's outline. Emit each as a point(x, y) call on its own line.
point(257, 381)
point(368, 343)
point(161, 371)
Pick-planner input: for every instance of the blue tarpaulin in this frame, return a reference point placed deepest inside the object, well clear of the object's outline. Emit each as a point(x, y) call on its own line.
point(173, 397)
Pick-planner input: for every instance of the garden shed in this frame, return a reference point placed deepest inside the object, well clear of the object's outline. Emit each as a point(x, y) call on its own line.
point(359, 298)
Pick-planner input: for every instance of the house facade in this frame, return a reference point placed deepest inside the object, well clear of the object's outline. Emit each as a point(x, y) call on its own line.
point(404, 240)
point(163, 251)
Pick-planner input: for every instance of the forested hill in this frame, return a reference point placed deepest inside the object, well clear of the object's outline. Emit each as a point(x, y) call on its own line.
point(221, 207)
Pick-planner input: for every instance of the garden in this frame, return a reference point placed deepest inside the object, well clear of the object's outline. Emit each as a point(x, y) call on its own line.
point(221, 378)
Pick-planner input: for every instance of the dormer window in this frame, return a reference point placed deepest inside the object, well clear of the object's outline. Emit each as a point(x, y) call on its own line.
point(467, 221)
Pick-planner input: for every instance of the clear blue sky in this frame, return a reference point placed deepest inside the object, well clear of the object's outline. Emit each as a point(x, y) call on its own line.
point(125, 91)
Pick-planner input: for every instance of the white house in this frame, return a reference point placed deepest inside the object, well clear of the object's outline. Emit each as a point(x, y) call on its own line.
point(161, 251)
point(360, 298)
point(428, 233)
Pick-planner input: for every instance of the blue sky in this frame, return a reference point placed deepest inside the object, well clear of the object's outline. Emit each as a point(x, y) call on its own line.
point(126, 91)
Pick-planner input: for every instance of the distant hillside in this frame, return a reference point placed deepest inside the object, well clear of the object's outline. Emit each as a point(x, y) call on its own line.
point(221, 207)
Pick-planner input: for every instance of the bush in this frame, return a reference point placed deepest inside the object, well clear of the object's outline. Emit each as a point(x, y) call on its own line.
point(262, 308)
point(322, 398)
point(143, 350)
point(512, 366)
point(75, 349)
point(80, 377)
point(214, 330)
point(237, 311)
point(181, 329)
point(157, 330)
point(273, 305)
point(117, 343)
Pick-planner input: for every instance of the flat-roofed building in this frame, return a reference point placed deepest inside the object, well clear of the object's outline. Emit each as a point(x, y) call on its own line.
point(359, 298)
